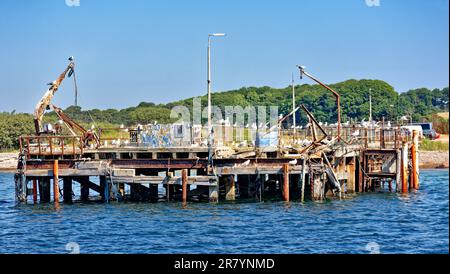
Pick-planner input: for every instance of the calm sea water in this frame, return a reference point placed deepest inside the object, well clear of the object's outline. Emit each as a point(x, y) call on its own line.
point(390, 223)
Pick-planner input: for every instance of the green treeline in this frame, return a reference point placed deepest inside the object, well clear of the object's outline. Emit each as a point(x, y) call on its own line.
point(386, 102)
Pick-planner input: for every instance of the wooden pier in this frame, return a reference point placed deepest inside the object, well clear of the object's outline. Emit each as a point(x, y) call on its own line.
point(327, 167)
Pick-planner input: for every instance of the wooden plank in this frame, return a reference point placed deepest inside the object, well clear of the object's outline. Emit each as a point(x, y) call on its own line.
point(192, 180)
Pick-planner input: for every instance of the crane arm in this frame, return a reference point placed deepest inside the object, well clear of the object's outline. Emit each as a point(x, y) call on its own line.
point(44, 103)
point(74, 127)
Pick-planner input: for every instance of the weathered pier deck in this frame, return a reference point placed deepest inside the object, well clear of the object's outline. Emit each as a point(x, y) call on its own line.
point(302, 166)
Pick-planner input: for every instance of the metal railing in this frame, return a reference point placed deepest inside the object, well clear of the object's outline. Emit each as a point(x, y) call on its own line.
point(51, 145)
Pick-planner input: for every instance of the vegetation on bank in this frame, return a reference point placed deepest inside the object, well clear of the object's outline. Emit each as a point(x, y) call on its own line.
point(429, 145)
point(421, 104)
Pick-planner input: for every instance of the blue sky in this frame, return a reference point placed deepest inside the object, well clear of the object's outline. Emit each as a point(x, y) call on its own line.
point(133, 51)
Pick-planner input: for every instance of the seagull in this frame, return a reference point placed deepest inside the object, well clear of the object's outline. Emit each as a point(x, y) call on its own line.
point(293, 162)
point(356, 133)
point(243, 143)
point(246, 163)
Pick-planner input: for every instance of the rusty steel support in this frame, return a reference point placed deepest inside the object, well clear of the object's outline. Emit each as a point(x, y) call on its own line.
point(55, 181)
point(336, 95)
point(184, 180)
point(34, 191)
point(361, 176)
point(404, 168)
point(286, 182)
point(314, 122)
point(415, 160)
point(351, 176)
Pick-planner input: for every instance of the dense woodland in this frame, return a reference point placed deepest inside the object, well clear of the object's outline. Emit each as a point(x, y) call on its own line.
point(420, 104)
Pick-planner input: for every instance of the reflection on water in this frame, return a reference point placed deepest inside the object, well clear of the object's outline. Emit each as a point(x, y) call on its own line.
point(386, 222)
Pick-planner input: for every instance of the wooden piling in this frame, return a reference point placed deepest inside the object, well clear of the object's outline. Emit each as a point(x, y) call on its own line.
point(67, 189)
point(55, 181)
point(361, 176)
point(44, 190)
point(84, 188)
point(286, 182)
point(214, 193)
point(230, 189)
point(351, 176)
point(34, 191)
point(104, 186)
point(153, 189)
point(302, 198)
point(184, 180)
point(415, 160)
point(404, 168)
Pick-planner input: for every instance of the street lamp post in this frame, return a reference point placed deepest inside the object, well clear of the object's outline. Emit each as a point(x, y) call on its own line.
point(209, 86)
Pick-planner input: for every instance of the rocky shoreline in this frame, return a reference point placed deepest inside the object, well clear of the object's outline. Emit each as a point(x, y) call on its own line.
point(428, 160)
point(433, 159)
point(8, 161)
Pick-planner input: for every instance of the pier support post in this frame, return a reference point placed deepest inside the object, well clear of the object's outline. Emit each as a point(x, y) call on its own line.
point(286, 182)
point(56, 181)
point(214, 193)
point(404, 169)
point(67, 189)
point(34, 191)
point(153, 189)
point(302, 198)
point(351, 176)
point(230, 189)
point(318, 184)
point(105, 187)
point(415, 160)
point(398, 176)
point(184, 182)
point(243, 186)
point(84, 188)
point(44, 190)
point(134, 192)
point(360, 172)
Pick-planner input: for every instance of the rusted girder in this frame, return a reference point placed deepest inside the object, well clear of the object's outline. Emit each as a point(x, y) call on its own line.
point(337, 95)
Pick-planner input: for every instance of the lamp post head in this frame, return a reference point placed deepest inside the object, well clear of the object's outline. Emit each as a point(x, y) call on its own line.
point(302, 69)
point(217, 34)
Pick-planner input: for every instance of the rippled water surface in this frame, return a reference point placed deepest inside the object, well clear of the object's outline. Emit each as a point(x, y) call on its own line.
point(392, 223)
